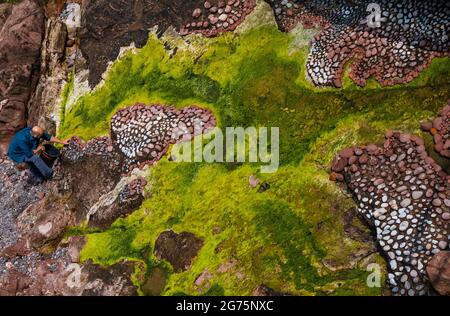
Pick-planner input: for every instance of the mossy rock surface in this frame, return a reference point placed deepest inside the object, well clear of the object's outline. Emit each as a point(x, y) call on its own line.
point(283, 236)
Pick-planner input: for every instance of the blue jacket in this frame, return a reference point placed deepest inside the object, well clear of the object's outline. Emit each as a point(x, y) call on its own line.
point(23, 144)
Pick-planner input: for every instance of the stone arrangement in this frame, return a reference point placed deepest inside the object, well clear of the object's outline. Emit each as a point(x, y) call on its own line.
point(410, 35)
point(133, 190)
point(404, 196)
point(143, 133)
point(216, 16)
point(100, 146)
point(440, 129)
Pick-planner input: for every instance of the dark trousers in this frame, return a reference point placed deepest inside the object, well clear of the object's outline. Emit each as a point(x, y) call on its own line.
point(39, 168)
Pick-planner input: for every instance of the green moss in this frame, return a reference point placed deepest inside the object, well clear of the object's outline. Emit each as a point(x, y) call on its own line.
point(280, 237)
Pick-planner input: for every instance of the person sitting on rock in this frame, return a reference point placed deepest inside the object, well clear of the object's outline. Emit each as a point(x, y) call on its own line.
point(24, 151)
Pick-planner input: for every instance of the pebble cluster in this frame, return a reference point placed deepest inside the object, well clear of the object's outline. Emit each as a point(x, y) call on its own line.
point(290, 13)
point(143, 133)
point(15, 196)
point(410, 35)
point(216, 16)
point(99, 146)
point(132, 191)
point(440, 129)
point(404, 195)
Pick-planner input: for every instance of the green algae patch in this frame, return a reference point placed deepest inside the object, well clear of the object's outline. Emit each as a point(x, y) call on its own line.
point(250, 237)
point(291, 237)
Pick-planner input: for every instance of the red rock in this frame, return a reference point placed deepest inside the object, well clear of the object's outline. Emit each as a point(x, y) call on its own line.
point(339, 164)
point(346, 153)
point(438, 271)
point(336, 177)
point(371, 148)
point(405, 138)
point(363, 159)
point(437, 123)
point(196, 14)
point(20, 45)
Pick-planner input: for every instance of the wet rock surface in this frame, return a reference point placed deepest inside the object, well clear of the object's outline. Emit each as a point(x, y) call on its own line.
point(439, 272)
point(109, 25)
point(20, 43)
point(34, 257)
point(178, 249)
point(143, 133)
point(403, 195)
point(404, 39)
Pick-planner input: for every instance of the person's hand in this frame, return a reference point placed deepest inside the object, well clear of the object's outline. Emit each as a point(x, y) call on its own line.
point(38, 150)
point(65, 142)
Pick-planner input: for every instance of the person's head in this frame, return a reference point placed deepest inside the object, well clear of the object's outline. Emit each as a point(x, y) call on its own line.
point(37, 132)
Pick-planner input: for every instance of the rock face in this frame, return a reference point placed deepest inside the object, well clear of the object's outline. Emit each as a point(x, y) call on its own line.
point(108, 25)
point(57, 276)
point(123, 200)
point(178, 249)
point(53, 76)
point(408, 35)
point(95, 164)
point(439, 272)
point(58, 54)
point(143, 133)
point(403, 195)
point(46, 220)
point(20, 42)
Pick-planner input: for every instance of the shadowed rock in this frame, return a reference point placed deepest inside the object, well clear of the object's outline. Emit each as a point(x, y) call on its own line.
point(178, 249)
point(120, 202)
point(108, 25)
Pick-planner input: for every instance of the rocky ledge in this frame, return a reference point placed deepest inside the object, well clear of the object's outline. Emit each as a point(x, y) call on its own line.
point(95, 183)
point(403, 194)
